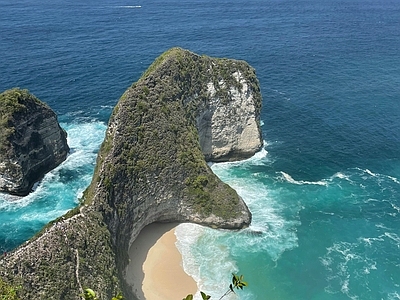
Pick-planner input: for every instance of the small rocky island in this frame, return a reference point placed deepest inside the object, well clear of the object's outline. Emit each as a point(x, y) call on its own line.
point(31, 141)
point(186, 110)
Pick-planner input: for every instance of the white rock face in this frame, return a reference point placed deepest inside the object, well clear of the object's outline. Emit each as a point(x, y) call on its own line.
point(229, 128)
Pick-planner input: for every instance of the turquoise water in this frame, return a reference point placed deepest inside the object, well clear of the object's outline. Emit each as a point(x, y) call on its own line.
point(324, 191)
point(57, 193)
point(336, 238)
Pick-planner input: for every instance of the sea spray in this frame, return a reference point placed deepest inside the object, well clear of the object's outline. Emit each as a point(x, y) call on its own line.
point(205, 258)
point(286, 210)
point(209, 255)
point(331, 112)
point(58, 192)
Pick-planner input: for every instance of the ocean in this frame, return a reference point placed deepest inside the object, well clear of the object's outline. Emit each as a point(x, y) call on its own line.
point(324, 190)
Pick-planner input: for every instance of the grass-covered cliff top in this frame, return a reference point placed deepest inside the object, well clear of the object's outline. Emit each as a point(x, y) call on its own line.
point(150, 168)
point(13, 102)
point(152, 144)
point(194, 72)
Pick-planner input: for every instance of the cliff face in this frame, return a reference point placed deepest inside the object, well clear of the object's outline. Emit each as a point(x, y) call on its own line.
point(151, 167)
point(186, 107)
point(229, 125)
point(31, 141)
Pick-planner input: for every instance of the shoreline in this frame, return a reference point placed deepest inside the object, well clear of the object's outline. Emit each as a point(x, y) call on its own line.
point(155, 271)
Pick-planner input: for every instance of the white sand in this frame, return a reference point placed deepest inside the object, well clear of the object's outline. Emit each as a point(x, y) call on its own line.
point(155, 270)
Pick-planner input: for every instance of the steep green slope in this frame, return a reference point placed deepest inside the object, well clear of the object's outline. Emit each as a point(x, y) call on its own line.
point(151, 167)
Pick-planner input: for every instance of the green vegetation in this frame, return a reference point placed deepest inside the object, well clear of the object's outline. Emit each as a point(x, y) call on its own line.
point(157, 133)
point(150, 162)
point(237, 283)
point(89, 294)
point(159, 60)
point(8, 292)
point(73, 250)
point(12, 102)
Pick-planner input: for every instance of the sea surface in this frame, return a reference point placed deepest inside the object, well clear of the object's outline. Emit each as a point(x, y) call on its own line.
point(325, 189)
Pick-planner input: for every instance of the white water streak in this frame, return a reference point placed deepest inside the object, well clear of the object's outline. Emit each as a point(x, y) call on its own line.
point(290, 179)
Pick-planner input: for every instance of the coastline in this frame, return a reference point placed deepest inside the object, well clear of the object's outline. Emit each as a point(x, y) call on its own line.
point(155, 270)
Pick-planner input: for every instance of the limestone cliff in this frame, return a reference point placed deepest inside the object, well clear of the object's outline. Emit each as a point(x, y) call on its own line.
point(151, 167)
point(31, 141)
point(230, 132)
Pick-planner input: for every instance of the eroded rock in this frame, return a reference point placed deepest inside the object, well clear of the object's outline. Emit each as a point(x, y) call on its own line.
point(31, 141)
point(151, 167)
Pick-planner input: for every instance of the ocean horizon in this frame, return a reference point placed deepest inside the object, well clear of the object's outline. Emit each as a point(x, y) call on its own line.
point(324, 190)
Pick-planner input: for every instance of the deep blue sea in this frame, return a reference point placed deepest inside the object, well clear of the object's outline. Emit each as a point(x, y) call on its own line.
point(324, 191)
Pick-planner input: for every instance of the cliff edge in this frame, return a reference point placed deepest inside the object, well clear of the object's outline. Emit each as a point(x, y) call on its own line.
point(31, 141)
point(185, 110)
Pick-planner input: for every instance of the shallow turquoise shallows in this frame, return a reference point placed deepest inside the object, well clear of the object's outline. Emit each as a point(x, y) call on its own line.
point(325, 189)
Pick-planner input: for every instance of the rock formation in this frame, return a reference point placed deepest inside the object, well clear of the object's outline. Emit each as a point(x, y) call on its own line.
point(31, 141)
point(151, 167)
point(230, 132)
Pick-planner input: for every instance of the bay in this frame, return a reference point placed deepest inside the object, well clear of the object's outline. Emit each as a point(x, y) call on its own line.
point(325, 190)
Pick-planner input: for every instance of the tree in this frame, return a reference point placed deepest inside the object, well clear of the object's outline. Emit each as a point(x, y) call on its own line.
point(89, 294)
point(237, 283)
point(8, 292)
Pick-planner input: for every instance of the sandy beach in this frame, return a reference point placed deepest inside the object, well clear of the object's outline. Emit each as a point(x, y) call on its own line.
point(155, 270)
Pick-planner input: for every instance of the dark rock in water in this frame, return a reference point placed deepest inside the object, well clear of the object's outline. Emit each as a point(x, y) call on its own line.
point(152, 167)
point(31, 141)
point(255, 233)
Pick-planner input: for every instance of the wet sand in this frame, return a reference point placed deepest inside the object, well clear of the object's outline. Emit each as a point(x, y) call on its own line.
point(155, 270)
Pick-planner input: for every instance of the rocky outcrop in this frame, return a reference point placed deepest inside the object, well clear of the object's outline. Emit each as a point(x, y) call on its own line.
point(151, 168)
point(231, 132)
point(31, 141)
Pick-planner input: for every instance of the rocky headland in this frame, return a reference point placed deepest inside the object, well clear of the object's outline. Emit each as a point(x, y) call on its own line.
point(31, 141)
point(186, 110)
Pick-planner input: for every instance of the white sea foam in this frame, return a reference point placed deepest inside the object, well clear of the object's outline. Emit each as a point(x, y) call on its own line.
point(290, 179)
point(342, 176)
point(344, 261)
point(110, 107)
point(394, 296)
point(259, 158)
point(369, 241)
point(11, 203)
point(395, 207)
point(59, 190)
point(394, 179)
point(85, 136)
point(187, 235)
point(275, 234)
point(204, 258)
point(326, 261)
point(382, 226)
point(345, 286)
point(42, 216)
point(208, 254)
point(377, 175)
point(393, 236)
point(259, 155)
point(370, 173)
